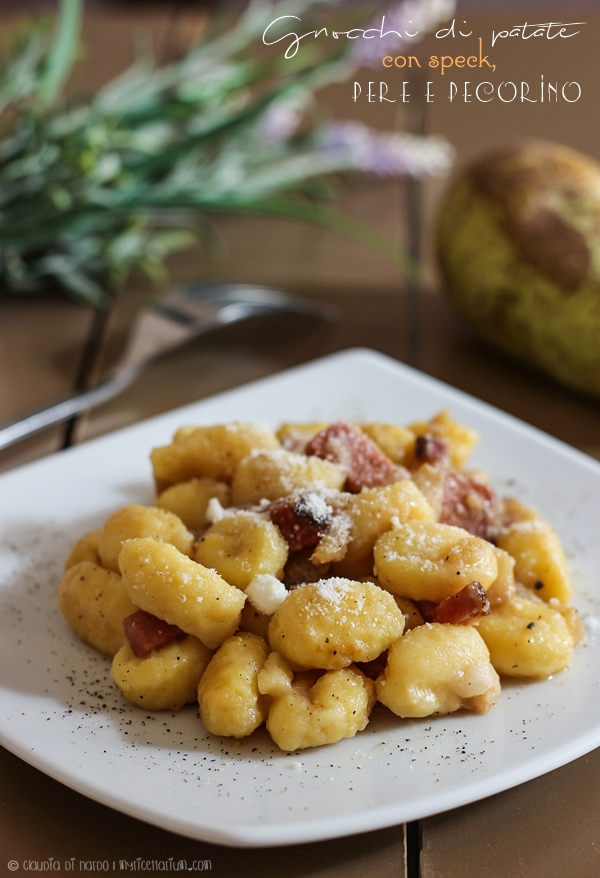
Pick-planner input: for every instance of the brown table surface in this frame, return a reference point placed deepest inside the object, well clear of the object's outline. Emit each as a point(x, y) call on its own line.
point(545, 828)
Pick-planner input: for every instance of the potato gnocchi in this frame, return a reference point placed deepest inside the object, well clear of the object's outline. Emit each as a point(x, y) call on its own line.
point(295, 578)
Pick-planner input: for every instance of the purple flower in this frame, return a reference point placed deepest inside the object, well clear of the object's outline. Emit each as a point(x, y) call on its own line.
point(279, 121)
point(354, 146)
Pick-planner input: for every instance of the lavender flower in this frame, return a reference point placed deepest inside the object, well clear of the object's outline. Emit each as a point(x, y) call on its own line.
point(279, 121)
point(402, 24)
point(383, 153)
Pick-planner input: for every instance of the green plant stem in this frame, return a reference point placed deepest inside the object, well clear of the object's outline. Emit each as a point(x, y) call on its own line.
point(62, 54)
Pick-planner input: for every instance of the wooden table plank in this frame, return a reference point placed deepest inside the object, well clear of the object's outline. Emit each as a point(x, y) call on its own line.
point(547, 828)
point(41, 342)
point(40, 818)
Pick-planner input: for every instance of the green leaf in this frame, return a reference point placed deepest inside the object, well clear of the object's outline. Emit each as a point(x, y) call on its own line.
point(62, 53)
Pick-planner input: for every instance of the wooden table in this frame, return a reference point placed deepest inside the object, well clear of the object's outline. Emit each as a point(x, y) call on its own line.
point(546, 828)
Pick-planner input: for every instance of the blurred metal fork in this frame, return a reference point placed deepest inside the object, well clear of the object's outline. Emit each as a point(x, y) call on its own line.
point(162, 326)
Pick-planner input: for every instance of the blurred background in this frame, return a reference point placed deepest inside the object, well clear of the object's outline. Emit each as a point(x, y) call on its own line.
point(312, 258)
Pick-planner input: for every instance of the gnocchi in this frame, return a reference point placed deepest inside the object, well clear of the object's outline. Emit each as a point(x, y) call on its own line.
point(438, 668)
point(229, 700)
point(189, 500)
point(167, 679)
point(428, 561)
point(164, 582)
point(308, 712)
point(140, 521)
point(242, 546)
point(95, 602)
point(331, 623)
point(212, 452)
point(293, 578)
point(528, 639)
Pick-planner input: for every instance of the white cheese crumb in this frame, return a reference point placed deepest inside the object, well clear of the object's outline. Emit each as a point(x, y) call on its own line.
point(592, 627)
point(266, 593)
point(214, 510)
point(333, 590)
point(314, 506)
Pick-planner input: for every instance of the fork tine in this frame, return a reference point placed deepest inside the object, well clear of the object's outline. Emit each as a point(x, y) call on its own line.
point(207, 296)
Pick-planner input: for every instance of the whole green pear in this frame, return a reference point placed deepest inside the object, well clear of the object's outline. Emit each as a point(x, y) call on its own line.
point(518, 244)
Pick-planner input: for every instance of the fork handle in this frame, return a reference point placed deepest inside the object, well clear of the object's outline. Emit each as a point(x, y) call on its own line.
point(61, 410)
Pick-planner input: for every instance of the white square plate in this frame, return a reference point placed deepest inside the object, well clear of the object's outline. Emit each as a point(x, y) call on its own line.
point(62, 714)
